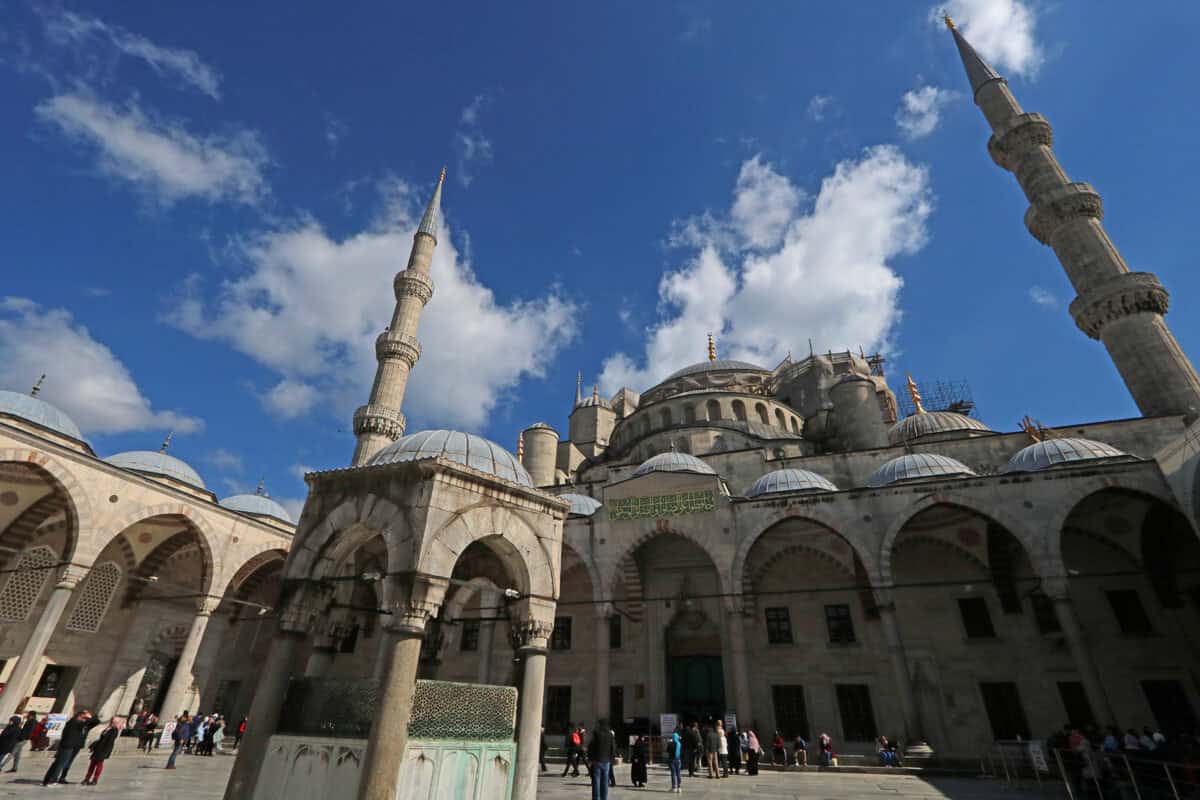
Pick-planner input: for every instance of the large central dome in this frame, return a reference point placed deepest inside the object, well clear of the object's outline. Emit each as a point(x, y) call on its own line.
point(467, 449)
point(718, 365)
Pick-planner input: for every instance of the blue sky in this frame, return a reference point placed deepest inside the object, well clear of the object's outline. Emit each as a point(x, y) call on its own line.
point(203, 207)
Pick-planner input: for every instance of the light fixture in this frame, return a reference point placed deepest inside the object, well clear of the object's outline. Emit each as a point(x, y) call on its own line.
point(152, 578)
point(372, 577)
point(262, 612)
point(512, 594)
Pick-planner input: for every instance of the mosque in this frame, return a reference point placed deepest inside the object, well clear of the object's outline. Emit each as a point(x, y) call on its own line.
point(775, 542)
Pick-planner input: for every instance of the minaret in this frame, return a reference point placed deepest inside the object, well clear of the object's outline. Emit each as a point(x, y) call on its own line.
point(1122, 309)
point(380, 422)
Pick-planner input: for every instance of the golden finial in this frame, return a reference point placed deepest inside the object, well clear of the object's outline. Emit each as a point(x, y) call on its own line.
point(712, 348)
point(521, 446)
point(915, 394)
point(949, 22)
point(37, 387)
point(261, 482)
point(1035, 430)
point(166, 442)
point(442, 177)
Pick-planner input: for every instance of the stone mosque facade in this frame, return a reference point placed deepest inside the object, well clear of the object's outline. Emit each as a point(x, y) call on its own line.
point(771, 541)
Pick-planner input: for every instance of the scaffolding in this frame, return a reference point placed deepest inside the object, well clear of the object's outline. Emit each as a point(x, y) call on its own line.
point(940, 396)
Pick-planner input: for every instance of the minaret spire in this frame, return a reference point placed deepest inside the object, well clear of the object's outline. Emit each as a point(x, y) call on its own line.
point(1122, 309)
point(381, 422)
point(579, 387)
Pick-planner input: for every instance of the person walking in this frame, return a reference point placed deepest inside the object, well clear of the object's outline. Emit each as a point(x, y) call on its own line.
point(101, 749)
point(674, 751)
point(149, 736)
point(573, 742)
point(693, 746)
point(27, 728)
point(753, 748)
point(542, 749)
point(9, 738)
point(241, 731)
point(600, 756)
point(218, 736)
point(179, 738)
point(712, 749)
point(74, 737)
point(722, 749)
point(637, 762)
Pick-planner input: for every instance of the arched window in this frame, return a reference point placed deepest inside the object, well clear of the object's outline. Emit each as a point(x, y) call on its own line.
point(779, 419)
point(795, 426)
point(665, 417)
point(94, 598)
point(26, 582)
point(714, 409)
point(739, 410)
point(689, 414)
point(718, 445)
point(761, 410)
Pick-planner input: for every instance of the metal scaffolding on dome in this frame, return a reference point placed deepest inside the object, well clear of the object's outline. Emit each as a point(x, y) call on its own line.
point(940, 396)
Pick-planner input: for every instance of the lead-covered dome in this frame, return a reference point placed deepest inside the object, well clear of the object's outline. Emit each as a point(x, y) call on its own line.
point(258, 505)
point(1056, 452)
point(581, 504)
point(717, 365)
point(162, 465)
point(930, 422)
point(467, 449)
point(918, 466)
point(790, 480)
point(39, 412)
point(674, 462)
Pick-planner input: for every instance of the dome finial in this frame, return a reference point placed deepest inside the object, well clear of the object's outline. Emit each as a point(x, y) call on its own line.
point(579, 387)
point(915, 394)
point(261, 483)
point(712, 348)
point(521, 446)
point(166, 442)
point(442, 177)
point(37, 387)
point(949, 22)
point(1035, 430)
point(595, 391)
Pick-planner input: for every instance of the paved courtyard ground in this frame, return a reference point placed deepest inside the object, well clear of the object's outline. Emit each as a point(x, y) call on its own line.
point(141, 777)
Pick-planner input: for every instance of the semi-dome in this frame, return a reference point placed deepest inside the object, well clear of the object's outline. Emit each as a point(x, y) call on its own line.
point(790, 480)
point(917, 466)
point(674, 462)
point(257, 504)
point(1055, 452)
point(925, 423)
point(39, 412)
point(581, 504)
point(149, 462)
point(467, 449)
point(717, 365)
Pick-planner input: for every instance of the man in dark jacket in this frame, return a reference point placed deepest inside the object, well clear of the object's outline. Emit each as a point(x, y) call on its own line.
point(693, 746)
point(712, 749)
point(31, 723)
point(180, 737)
point(600, 756)
point(74, 736)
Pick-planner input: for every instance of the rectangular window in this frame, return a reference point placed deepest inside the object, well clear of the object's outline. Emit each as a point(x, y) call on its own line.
point(1043, 614)
point(349, 642)
point(470, 636)
point(1075, 703)
point(1130, 613)
point(558, 709)
point(1170, 705)
point(560, 639)
point(1003, 705)
point(840, 624)
point(614, 632)
point(858, 717)
point(976, 620)
point(791, 715)
point(779, 625)
point(51, 681)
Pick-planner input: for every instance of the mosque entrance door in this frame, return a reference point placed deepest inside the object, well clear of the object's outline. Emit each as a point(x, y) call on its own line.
point(695, 677)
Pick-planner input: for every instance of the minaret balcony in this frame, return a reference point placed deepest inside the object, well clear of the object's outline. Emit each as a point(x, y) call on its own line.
point(378, 419)
point(413, 284)
point(1060, 206)
point(395, 346)
point(1026, 132)
point(1117, 297)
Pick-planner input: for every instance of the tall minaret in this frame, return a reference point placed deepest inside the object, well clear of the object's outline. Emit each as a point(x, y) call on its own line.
point(380, 422)
point(1122, 309)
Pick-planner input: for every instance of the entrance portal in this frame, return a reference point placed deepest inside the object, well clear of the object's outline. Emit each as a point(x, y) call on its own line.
point(697, 687)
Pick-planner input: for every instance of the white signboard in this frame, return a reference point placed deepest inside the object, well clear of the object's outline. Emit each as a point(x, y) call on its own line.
point(730, 721)
point(667, 723)
point(1038, 756)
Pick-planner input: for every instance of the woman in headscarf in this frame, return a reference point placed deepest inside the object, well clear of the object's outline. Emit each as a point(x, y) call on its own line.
point(752, 750)
point(637, 770)
point(101, 749)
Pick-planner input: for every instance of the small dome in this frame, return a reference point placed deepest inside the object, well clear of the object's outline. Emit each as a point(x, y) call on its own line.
point(915, 426)
point(674, 462)
point(593, 401)
point(39, 412)
point(581, 504)
point(719, 365)
point(917, 466)
point(790, 480)
point(257, 504)
point(161, 464)
point(467, 449)
point(541, 426)
point(1055, 452)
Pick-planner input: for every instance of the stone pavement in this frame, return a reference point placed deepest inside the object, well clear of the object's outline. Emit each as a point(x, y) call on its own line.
point(135, 776)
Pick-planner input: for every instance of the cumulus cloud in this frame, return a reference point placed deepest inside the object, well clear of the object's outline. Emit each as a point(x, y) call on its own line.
point(921, 110)
point(1043, 298)
point(84, 378)
point(472, 147)
point(309, 307)
point(159, 157)
point(184, 66)
point(818, 105)
point(290, 398)
point(1003, 31)
point(826, 273)
point(224, 459)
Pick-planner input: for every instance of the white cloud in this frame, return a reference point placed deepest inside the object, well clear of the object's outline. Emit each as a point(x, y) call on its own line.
point(84, 378)
point(290, 398)
point(310, 306)
point(182, 65)
point(472, 147)
point(335, 131)
point(1003, 31)
point(827, 274)
point(818, 105)
point(1043, 298)
point(224, 459)
point(159, 157)
point(300, 470)
point(764, 202)
point(921, 110)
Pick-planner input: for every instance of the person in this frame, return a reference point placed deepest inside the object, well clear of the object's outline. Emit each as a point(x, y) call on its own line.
point(1131, 740)
point(886, 754)
point(827, 754)
point(101, 749)
point(800, 751)
point(674, 751)
point(693, 747)
point(38, 740)
point(600, 756)
point(1112, 739)
point(778, 753)
point(9, 737)
point(612, 772)
point(542, 749)
point(752, 752)
point(179, 737)
point(734, 750)
point(27, 728)
point(712, 749)
point(196, 743)
point(241, 731)
point(573, 743)
point(1146, 740)
point(218, 736)
point(149, 736)
point(637, 762)
point(74, 736)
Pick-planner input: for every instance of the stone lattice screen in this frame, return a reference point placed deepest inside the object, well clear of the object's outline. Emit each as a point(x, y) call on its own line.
point(24, 585)
point(94, 598)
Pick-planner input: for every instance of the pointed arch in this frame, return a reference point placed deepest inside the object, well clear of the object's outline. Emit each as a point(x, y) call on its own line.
point(78, 506)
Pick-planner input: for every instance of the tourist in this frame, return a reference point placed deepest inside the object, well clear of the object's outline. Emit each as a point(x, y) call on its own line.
point(179, 738)
point(241, 731)
point(693, 745)
point(800, 751)
point(74, 736)
point(722, 749)
point(827, 754)
point(600, 756)
point(674, 751)
point(734, 749)
point(9, 737)
point(542, 748)
point(196, 743)
point(887, 752)
point(211, 733)
point(27, 728)
point(572, 742)
point(149, 736)
point(778, 753)
point(1146, 740)
point(612, 772)
point(637, 762)
point(218, 736)
point(753, 750)
point(712, 749)
point(1131, 740)
point(1112, 740)
point(101, 749)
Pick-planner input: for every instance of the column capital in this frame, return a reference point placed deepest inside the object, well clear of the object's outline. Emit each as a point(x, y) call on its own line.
point(412, 599)
point(604, 610)
point(70, 576)
point(531, 635)
point(1056, 588)
point(207, 606)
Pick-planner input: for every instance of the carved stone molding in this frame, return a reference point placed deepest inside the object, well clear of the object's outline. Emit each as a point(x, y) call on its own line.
point(1029, 131)
point(70, 576)
point(1057, 208)
point(1131, 293)
point(391, 346)
point(414, 284)
point(373, 418)
point(531, 634)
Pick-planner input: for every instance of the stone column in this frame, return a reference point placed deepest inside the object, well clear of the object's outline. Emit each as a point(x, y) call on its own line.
point(736, 646)
point(600, 680)
point(533, 635)
point(29, 665)
point(654, 660)
point(180, 690)
point(1057, 589)
point(899, 659)
point(488, 608)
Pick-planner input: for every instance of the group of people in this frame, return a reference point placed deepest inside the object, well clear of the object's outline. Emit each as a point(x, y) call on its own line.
point(16, 734)
point(1092, 758)
point(28, 729)
point(719, 751)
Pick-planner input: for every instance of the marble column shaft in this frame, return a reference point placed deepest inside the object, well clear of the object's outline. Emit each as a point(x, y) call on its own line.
point(601, 695)
point(529, 726)
point(389, 729)
point(28, 668)
point(179, 692)
point(904, 687)
point(1088, 676)
point(741, 681)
